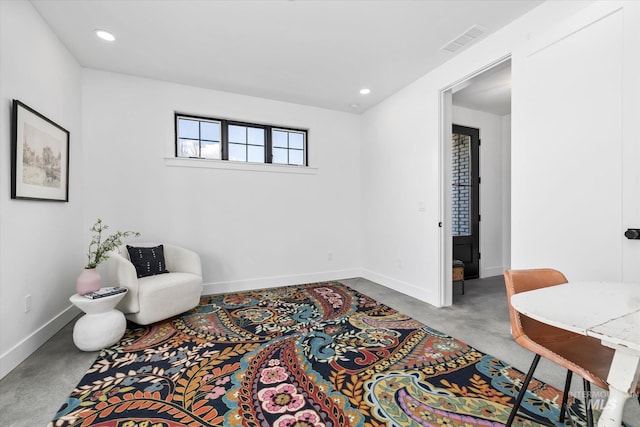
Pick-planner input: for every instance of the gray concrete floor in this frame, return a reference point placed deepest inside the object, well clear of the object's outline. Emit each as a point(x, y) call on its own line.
point(32, 393)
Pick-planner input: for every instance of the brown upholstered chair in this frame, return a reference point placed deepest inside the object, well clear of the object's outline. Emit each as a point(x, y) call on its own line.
point(585, 356)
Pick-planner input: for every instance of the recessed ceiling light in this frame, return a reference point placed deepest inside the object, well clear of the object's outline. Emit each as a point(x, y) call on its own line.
point(365, 91)
point(105, 35)
point(354, 105)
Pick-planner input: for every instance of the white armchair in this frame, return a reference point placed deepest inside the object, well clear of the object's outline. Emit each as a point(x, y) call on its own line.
point(158, 297)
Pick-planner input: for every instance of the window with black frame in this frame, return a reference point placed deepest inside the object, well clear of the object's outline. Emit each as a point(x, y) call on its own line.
point(199, 138)
point(221, 139)
point(288, 146)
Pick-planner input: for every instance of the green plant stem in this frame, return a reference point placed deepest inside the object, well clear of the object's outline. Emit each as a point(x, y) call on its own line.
point(98, 248)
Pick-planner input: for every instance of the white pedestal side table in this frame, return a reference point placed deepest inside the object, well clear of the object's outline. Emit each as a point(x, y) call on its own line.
point(102, 325)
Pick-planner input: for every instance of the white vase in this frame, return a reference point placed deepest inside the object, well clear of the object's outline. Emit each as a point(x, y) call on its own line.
point(88, 281)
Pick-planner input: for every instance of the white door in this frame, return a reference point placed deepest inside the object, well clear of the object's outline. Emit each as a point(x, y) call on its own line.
point(631, 140)
point(575, 183)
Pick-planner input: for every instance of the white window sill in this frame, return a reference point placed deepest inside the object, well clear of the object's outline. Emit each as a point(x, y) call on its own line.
point(241, 166)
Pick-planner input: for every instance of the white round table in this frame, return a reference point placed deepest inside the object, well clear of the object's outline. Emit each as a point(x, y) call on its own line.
point(102, 325)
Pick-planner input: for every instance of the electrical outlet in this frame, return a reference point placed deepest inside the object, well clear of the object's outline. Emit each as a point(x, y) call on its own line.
point(329, 256)
point(27, 303)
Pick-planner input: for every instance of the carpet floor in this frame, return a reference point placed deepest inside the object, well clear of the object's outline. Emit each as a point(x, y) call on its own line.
point(319, 355)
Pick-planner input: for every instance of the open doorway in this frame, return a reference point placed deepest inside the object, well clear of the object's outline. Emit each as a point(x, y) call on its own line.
point(465, 199)
point(481, 101)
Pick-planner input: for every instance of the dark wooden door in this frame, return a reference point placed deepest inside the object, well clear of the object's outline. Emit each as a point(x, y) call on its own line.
point(465, 201)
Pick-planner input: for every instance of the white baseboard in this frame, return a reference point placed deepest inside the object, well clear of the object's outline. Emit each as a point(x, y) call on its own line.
point(273, 282)
point(491, 271)
point(19, 352)
point(400, 286)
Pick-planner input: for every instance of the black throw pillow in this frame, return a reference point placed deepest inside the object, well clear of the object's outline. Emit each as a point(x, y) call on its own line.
point(147, 261)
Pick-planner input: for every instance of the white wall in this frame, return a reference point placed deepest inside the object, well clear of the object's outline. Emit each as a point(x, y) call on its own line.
point(506, 192)
point(252, 229)
point(400, 164)
point(491, 192)
point(41, 243)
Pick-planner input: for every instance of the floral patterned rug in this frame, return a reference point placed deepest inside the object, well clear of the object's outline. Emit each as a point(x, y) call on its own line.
point(317, 355)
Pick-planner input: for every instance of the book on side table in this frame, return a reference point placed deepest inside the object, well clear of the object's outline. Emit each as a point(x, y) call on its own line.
point(105, 292)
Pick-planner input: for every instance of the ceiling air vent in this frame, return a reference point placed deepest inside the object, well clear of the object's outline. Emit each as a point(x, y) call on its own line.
point(471, 35)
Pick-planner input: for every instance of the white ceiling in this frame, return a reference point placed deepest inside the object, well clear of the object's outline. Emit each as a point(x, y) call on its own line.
point(489, 92)
point(312, 52)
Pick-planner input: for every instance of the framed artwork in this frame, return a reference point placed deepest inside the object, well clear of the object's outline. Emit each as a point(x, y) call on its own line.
point(39, 156)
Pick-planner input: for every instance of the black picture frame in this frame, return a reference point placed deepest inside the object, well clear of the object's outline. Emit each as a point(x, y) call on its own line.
point(39, 156)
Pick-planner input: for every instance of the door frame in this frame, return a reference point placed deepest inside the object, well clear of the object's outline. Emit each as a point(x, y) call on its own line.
point(445, 290)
